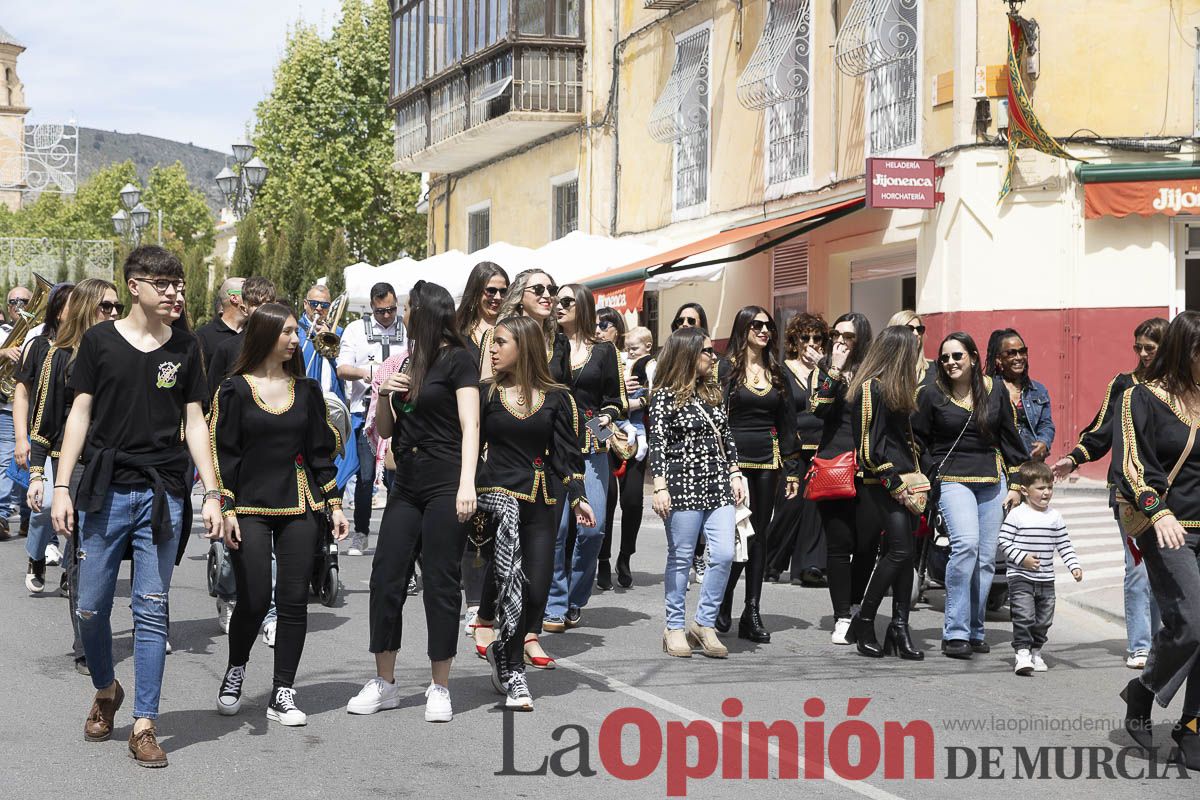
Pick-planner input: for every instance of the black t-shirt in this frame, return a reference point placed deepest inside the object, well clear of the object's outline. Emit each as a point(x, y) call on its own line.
point(211, 336)
point(139, 400)
point(32, 358)
point(432, 425)
point(220, 363)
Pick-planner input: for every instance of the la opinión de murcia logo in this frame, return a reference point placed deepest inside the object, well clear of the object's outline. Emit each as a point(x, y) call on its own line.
point(1176, 200)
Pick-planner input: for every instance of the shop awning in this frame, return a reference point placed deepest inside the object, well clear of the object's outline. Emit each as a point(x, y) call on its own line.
point(1142, 189)
point(669, 261)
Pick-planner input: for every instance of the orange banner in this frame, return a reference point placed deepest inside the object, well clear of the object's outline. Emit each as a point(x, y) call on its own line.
point(1144, 198)
point(624, 297)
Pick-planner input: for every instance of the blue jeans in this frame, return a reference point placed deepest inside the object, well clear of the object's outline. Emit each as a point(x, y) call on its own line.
point(573, 589)
point(364, 487)
point(122, 521)
point(1141, 610)
point(41, 532)
point(8, 446)
point(683, 529)
point(973, 513)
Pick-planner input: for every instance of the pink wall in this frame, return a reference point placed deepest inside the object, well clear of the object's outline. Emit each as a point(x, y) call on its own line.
point(1074, 352)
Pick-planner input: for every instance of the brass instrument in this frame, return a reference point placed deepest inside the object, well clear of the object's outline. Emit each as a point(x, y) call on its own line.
point(327, 343)
point(28, 318)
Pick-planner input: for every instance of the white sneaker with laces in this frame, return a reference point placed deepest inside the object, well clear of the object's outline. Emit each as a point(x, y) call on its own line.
point(469, 621)
point(358, 544)
point(437, 704)
point(840, 628)
point(376, 695)
point(269, 633)
point(518, 697)
point(53, 555)
point(224, 613)
point(1024, 663)
point(1137, 659)
point(229, 699)
point(283, 708)
point(1039, 664)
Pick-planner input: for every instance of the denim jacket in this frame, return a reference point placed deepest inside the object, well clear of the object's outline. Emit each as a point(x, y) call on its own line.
point(1038, 424)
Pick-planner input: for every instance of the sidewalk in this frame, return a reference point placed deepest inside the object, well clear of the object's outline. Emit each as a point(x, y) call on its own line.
point(1093, 531)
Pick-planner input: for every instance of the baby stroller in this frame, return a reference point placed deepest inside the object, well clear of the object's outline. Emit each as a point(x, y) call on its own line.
point(932, 557)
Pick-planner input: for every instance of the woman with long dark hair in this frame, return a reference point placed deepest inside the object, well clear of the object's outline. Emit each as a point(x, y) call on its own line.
point(1142, 619)
point(479, 309)
point(531, 431)
point(697, 483)
point(763, 422)
point(1159, 462)
point(1008, 359)
point(598, 386)
point(690, 315)
point(967, 433)
point(610, 327)
point(849, 542)
point(431, 415)
point(795, 538)
point(881, 398)
point(273, 445)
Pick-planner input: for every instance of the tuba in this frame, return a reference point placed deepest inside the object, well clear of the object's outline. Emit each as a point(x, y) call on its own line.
point(28, 318)
point(327, 342)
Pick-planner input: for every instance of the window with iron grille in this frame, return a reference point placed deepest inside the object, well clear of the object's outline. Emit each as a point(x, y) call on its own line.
point(566, 208)
point(893, 85)
point(690, 76)
point(787, 140)
point(479, 229)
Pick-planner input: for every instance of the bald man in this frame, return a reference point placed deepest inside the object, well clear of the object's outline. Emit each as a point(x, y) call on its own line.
point(230, 322)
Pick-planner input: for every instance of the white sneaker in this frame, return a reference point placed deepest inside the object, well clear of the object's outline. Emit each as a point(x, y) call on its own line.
point(53, 555)
point(840, 628)
point(437, 704)
point(469, 621)
point(376, 695)
point(358, 544)
point(169, 648)
point(518, 697)
point(1137, 660)
point(269, 633)
point(1039, 665)
point(229, 699)
point(224, 613)
point(283, 709)
point(1024, 663)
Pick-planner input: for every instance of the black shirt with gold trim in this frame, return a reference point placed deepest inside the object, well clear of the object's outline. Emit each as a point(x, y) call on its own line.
point(763, 422)
point(1097, 439)
point(598, 386)
point(977, 457)
point(1153, 434)
point(50, 404)
point(886, 449)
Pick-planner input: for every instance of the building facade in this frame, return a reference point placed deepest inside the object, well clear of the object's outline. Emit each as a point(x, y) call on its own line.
point(12, 122)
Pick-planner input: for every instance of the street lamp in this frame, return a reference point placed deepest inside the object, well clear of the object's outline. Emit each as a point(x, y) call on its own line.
point(241, 186)
point(132, 219)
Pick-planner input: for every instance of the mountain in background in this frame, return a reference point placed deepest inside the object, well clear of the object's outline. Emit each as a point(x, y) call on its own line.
point(99, 149)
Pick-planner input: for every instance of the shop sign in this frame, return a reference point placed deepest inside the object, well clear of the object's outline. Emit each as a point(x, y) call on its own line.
point(624, 297)
point(903, 183)
point(1144, 198)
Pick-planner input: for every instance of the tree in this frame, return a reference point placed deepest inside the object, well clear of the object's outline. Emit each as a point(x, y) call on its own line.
point(337, 258)
point(219, 274)
point(195, 272)
point(247, 253)
point(186, 217)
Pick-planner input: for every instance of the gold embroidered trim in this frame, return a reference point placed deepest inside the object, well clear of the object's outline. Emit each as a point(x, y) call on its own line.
point(261, 404)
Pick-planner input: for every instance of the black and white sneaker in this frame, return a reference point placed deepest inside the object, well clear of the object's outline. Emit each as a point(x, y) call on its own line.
point(518, 696)
point(283, 708)
point(35, 576)
point(229, 699)
point(498, 660)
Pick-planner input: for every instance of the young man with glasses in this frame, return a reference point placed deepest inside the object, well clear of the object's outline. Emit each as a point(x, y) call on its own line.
point(366, 344)
point(135, 419)
point(18, 299)
point(228, 324)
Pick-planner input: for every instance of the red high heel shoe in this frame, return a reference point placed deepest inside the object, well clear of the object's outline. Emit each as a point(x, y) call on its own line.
point(481, 649)
point(537, 662)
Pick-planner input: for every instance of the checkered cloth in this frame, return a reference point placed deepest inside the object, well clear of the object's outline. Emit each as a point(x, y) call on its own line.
point(506, 563)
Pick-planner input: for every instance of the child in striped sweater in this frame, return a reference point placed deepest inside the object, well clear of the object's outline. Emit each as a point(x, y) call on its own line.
point(1028, 537)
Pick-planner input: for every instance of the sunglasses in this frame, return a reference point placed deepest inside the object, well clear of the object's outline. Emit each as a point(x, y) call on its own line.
point(810, 338)
point(847, 337)
point(161, 285)
point(919, 330)
point(108, 307)
point(321, 304)
point(1148, 349)
point(18, 301)
point(380, 312)
point(945, 358)
point(541, 289)
point(1016, 351)
point(709, 351)
point(565, 303)
point(759, 325)
point(495, 291)
point(605, 324)
point(690, 322)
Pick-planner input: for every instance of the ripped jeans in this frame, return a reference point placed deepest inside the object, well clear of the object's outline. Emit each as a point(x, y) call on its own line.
point(104, 537)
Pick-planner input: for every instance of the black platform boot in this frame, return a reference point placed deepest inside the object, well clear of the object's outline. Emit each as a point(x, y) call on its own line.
point(862, 636)
point(750, 626)
point(898, 639)
point(1139, 701)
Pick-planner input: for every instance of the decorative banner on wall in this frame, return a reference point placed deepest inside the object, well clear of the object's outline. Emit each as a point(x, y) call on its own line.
point(1024, 129)
point(624, 297)
point(1144, 198)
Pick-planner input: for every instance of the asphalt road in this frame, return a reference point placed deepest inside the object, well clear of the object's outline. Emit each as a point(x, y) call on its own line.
point(612, 662)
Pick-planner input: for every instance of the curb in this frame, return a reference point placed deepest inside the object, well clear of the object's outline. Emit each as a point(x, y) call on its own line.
point(1099, 611)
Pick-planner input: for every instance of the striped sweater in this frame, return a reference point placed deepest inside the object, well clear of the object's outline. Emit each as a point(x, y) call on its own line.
point(1026, 532)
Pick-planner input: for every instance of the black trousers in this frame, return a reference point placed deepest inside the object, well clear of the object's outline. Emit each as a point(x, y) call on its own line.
point(294, 540)
point(1175, 655)
point(632, 490)
point(796, 538)
point(539, 530)
point(420, 517)
point(761, 484)
point(894, 569)
point(1032, 605)
point(851, 542)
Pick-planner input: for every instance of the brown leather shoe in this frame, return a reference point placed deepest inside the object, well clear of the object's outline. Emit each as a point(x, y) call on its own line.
point(144, 749)
point(99, 724)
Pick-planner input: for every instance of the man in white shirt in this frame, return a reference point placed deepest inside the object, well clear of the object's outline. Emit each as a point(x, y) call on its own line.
point(366, 344)
point(17, 299)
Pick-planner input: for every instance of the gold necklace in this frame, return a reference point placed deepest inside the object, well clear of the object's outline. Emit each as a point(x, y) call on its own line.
point(520, 401)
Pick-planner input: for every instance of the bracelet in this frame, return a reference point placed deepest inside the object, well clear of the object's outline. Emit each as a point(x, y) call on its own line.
point(35, 476)
point(62, 486)
point(212, 494)
point(663, 489)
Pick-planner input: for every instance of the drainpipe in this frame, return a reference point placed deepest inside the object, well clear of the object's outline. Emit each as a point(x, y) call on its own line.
point(614, 100)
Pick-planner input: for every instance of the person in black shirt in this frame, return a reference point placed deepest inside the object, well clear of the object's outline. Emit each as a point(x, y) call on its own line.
point(430, 411)
point(274, 446)
point(227, 324)
point(136, 415)
point(255, 292)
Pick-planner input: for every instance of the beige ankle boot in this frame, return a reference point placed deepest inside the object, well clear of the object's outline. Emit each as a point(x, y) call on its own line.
point(675, 643)
point(706, 639)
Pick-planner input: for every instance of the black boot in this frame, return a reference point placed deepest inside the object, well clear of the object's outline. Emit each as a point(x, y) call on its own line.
point(750, 626)
point(1139, 701)
point(862, 635)
point(724, 614)
point(898, 642)
point(603, 575)
point(1186, 734)
point(624, 576)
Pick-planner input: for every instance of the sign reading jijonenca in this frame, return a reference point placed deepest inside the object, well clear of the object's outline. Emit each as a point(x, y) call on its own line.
point(902, 183)
point(1143, 198)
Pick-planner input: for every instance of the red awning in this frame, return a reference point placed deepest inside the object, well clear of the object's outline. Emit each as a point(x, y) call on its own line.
point(1144, 198)
point(624, 297)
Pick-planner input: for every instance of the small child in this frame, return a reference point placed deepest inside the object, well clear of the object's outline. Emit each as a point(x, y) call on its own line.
point(638, 344)
point(1029, 536)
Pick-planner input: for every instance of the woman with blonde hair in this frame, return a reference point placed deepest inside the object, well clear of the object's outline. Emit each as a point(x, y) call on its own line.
point(911, 320)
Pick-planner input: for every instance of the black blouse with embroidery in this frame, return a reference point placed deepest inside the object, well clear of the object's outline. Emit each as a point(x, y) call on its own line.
point(808, 425)
point(976, 458)
point(598, 386)
point(1154, 432)
point(527, 453)
point(273, 461)
point(684, 450)
point(480, 349)
point(50, 401)
point(886, 449)
point(829, 405)
point(1097, 439)
point(559, 359)
point(763, 424)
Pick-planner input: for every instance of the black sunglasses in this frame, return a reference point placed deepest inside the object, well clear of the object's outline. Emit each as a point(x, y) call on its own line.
point(1145, 348)
point(759, 325)
point(810, 338)
point(385, 310)
point(848, 337)
point(495, 291)
point(605, 324)
point(680, 322)
point(107, 306)
point(709, 351)
point(541, 289)
point(1015, 351)
point(18, 301)
point(917, 329)
point(566, 302)
point(946, 357)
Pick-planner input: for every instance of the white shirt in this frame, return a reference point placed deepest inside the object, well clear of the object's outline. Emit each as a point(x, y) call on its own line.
point(365, 342)
point(5, 330)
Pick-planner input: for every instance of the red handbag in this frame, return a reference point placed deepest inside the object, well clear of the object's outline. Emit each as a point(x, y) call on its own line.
point(832, 478)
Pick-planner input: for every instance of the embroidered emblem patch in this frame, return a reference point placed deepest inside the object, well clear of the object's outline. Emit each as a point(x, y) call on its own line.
point(168, 374)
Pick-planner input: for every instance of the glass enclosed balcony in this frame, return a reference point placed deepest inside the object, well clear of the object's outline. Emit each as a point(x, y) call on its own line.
point(475, 79)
